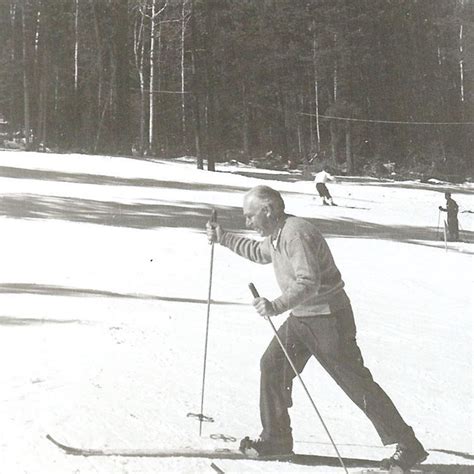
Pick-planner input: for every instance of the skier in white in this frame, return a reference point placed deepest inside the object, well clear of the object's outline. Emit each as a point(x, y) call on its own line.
point(321, 179)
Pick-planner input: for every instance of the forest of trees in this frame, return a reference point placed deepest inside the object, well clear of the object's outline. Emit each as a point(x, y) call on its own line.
point(354, 83)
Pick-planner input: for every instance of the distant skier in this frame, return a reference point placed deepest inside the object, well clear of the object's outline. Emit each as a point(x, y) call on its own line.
point(452, 210)
point(321, 179)
point(321, 324)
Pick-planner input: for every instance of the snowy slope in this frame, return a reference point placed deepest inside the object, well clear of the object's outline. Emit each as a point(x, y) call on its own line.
point(103, 289)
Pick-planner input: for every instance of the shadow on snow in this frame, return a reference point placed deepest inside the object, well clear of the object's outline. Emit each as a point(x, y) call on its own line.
point(54, 290)
point(16, 321)
point(194, 215)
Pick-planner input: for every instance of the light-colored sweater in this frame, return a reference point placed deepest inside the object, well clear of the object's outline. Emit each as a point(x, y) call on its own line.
point(304, 267)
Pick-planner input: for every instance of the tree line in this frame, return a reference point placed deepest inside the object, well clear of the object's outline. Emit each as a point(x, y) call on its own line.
point(353, 83)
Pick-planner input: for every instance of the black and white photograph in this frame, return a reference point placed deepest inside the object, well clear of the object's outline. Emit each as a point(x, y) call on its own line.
point(237, 236)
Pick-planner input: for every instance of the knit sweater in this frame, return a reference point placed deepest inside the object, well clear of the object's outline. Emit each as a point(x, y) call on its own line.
point(304, 267)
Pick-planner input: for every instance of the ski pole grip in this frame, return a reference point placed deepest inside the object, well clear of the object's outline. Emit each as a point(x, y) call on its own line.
point(253, 290)
point(214, 216)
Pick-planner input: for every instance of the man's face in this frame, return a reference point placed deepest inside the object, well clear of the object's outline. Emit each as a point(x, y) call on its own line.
point(258, 216)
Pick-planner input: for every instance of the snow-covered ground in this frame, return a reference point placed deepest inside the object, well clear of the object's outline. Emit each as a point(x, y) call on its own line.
point(103, 288)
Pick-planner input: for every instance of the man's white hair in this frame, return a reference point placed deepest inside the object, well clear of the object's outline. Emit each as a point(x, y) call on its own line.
point(268, 196)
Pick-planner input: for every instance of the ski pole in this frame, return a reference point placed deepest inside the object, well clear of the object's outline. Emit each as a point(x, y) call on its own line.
point(201, 415)
point(213, 219)
point(437, 228)
point(256, 295)
point(446, 235)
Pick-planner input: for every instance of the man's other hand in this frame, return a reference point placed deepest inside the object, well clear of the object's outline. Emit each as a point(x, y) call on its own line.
point(264, 307)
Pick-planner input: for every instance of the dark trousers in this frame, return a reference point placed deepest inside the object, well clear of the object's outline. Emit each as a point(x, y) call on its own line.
point(332, 340)
point(453, 227)
point(323, 190)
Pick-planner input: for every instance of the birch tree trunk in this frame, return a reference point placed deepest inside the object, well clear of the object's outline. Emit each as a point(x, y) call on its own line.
point(158, 144)
point(335, 78)
point(316, 115)
point(461, 64)
point(183, 100)
point(77, 120)
point(36, 79)
point(153, 60)
point(316, 92)
point(311, 127)
point(151, 100)
point(37, 34)
point(76, 47)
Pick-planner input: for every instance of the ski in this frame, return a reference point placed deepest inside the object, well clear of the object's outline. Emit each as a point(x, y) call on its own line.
point(223, 453)
point(220, 453)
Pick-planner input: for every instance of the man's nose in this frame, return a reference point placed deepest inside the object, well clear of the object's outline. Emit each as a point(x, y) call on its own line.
point(248, 222)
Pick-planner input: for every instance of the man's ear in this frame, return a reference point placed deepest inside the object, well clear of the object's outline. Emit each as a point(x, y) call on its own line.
point(268, 209)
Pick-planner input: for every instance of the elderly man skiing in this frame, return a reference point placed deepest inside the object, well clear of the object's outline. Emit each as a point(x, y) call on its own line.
point(321, 324)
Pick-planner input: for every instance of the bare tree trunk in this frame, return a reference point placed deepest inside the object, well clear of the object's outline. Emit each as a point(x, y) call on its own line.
point(196, 92)
point(335, 78)
point(245, 123)
point(37, 34)
point(100, 113)
point(316, 115)
point(461, 64)
point(43, 103)
point(12, 30)
point(210, 109)
point(41, 58)
point(121, 126)
point(197, 132)
point(316, 92)
point(54, 118)
point(56, 89)
point(26, 86)
point(283, 126)
point(139, 55)
point(77, 107)
point(158, 144)
point(151, 100)
point(299, 136)
point(76, 47)
point(349, 162)
point(311, 131)
point(36, 79)
point(183, 101)
point(153, 60)
point(107, 104)
point(332, 130)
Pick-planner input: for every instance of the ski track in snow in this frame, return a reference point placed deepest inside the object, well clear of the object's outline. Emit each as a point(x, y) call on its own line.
point(103, 286)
